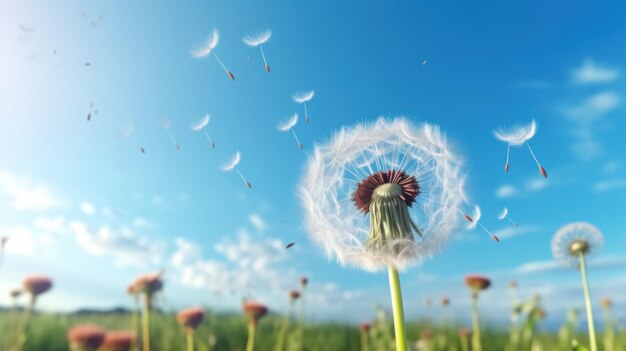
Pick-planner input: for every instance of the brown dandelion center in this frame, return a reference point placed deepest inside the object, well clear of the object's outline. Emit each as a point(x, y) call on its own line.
point(392, 183)
point(578, 247)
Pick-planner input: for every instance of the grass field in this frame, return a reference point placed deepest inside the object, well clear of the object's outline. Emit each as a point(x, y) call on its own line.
point(47, 332)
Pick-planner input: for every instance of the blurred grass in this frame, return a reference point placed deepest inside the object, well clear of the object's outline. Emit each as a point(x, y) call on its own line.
point(48, 333)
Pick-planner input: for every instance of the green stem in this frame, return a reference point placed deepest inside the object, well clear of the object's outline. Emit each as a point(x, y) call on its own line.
point(251, 332)
point(592, 332)
point(364, 341)
point(22, 329)
point(146, 322)
point(398, 310)
point(190, 340)
point(283, 330)
point(609, 335)
point(135, 320)
point(464, 346)
point(476, 345)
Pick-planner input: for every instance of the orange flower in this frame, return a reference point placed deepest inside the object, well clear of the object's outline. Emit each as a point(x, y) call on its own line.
point(37, 285)
point(147, 284)
point(477, 282)
point(86, 337)
point(606, 302)
point(464, 333)
point(294, 294)
point(190, 318)
point(364, 326)
point(254, 311)
point(304, 281)
point(445, 301)
point(118, 341)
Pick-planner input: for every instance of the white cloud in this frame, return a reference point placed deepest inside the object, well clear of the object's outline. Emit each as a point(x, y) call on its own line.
point(257, 222)
point(536, 184)
point(607, 185)
point(27, 194)
point(506, 191)
point(51, 225)
point(591, 73)
point(547, 266)
point(87, 208)
point(510, 231)
point(593, 108)
point(123, 245)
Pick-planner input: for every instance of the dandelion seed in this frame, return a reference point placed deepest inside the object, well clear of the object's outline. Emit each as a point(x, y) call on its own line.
point(367, 197)
point(167, 126)
point(233, 165)
point(571, 245)
point(85, 337)
point(92, 111)
point(287, 126)
point(259, 40)
point(505, 215)
point(475, 221)
point(424, 62)
point(208, 48)
point(289, 245)
point(87, 63)
point(130, 134)
point(517, 136)
point(303, 98)
point(200, 126)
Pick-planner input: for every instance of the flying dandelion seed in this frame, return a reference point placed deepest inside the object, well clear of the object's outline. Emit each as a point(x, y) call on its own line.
point(517, 136)
point(259, 40)
point(424, 62)
point(167, 126)
point(571, 245)
point(303, 98)
point(233, 165)
point(92, 111)
point(208, 48)
point(287, 126)
point(200, 126)
point(130, 134)
point(474, 221)
point(368, 197)
point(289, 245)
point(505, 215)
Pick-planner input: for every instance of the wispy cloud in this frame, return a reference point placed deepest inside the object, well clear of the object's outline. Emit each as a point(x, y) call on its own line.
point(547, 266)
point(534, 184)
point(88, 208)
point(123, 245)
point(26, 193)
point(509, 232)
point(506, 191)
point(258, 222)
point(592, 73)
point(608, 185)
point(585, 117)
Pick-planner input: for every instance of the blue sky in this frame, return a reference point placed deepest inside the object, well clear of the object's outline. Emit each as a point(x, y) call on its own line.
point(86, 207)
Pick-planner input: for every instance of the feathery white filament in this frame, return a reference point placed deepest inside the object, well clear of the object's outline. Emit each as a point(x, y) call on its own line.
point(569, 233)
point(198, 126)
point(335, 168)
point(205, 49)
point(227, 167)
point(517, 135)
point(303, 97)
point(258, 39)
point(503, 214)
point(288, 124)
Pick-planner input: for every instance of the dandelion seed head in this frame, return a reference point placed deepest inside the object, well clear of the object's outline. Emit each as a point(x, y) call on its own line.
point(286, 126)
point(335, 170)
point(167, 125)
point(233, 163)
point(86, 337)
point(303, 96)
point(190, 318)
point(258, 39)
point(574, 239)
point(128, 132)
point(476, 214)
point(503, 214)
point(207, 47)
point(37, 285)
point(516, 135)
point(198, 126)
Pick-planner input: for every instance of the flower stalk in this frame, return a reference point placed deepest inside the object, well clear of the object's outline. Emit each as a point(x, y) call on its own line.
point(590, 324)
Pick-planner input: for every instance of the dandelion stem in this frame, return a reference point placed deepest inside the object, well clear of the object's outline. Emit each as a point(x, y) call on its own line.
point(364, 341)
point(508, 150)
point(251, 332)
point(398, 310)
point(146, 322)
point(267, 67)
point(464, 346)
point(592, 332)
point(22, 329)
point(476, 344)
point(135, 320)
point(190, 340)
point(306, 114)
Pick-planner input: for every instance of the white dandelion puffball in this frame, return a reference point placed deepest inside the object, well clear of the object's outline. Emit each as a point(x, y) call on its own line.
point(258, 39)
point(502, 215)
point(573, 239)
point(414, 161)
